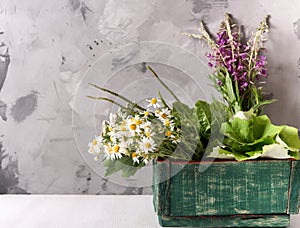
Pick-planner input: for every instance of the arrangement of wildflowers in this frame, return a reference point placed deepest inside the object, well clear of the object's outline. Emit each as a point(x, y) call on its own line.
point(134, 135)
point(239, 65)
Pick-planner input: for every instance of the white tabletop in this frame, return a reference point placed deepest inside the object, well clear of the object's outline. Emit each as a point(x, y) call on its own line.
point(78, 211)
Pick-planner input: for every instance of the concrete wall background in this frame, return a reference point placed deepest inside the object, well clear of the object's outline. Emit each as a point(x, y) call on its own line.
point(48, 45)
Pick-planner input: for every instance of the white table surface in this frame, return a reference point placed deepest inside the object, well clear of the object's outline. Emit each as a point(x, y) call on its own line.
point(78, 211)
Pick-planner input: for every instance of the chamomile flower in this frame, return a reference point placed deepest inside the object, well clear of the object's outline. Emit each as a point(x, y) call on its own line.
point(157, 113)
point(169, 124)
point(145, 158)
point(153, 103)
point(148, 133)
point(95, 146)
point(147, 145)
point(164, 114)
point(117, 151)
point(108, 152)
point(146, 113)
point(124, 148)
point(113, 136)
point(133, 127)
point(135, 159)
point(137, 120)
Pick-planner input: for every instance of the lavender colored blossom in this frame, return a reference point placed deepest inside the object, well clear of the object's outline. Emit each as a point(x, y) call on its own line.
point(238, 65)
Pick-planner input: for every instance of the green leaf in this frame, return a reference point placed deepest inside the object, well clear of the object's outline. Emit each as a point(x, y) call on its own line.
point(229, 87)
point(249, 136)
point(237, 155)
point(249, 131)
point(193, 140)
point(124, 164)
point(204, 118)
point(258, 106)
point(290, 136)
point(219, 114)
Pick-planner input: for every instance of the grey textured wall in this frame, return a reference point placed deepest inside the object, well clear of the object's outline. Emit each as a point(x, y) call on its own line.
point(47, 45)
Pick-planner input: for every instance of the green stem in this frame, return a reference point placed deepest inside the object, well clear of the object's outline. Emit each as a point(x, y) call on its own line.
point(111, 101)
point(163, 84)
point(135, 105)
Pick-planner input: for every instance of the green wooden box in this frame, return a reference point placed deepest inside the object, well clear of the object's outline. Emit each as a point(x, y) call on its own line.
point(259, 193)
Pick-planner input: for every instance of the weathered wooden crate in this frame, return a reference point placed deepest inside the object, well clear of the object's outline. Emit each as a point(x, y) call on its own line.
point(260, 193)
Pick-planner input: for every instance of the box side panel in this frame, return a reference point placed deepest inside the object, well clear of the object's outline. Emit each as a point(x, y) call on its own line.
point(226, 221)
point(294, 199)
point(161, 191)
point(226, 188)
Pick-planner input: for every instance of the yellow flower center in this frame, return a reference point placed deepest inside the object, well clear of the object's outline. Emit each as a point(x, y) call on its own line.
point(148, 134)
point(148, 145)
point(167, 123)
point(153, 100)
point(163, 115)
point(138, 122)
point(110, 128)
point(132, 127)
point(116, 148)
point(134, 155)
point(110, 150)
point(146, 113)
point(168, 133)
point(94, 142)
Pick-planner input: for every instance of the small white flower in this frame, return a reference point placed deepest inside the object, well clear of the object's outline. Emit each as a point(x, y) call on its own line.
point(145, 158)
point(164, 114)
point(112, 152)
point(169, 134)
point(145, 113)
point(95, 146)
point(108, 152)
point(148, 133)
point(133, 127)
point(169, 123)
point(135, 159)
point(113, 135)
point(117, 151)
point(146, 125)
point(147, 145)
point(157, 113)
point(124, 148)
point(153, 102)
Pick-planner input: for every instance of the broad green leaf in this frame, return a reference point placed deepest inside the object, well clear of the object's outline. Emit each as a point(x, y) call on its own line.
point(125, 164)
point(249, 136)
point(290, 136)
point(248, 131)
